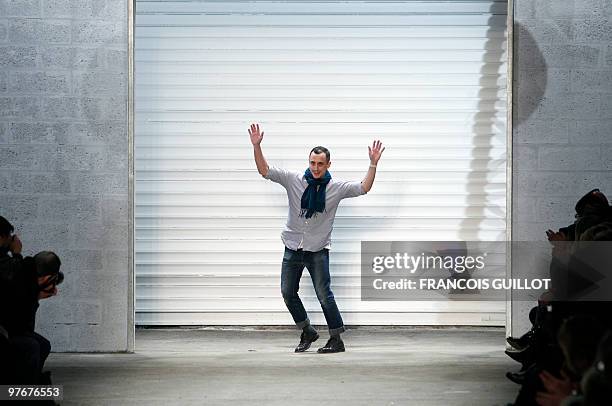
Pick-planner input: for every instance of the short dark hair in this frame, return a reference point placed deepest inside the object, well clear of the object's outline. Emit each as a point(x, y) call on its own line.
point(6, 228)
point(47, 263)
point(319, 150)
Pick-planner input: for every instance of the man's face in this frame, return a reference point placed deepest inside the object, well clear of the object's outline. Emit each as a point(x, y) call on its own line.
point(318, 164)
point(49, 290)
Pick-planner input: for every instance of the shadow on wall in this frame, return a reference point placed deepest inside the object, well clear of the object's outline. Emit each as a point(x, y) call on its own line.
point(531, 77)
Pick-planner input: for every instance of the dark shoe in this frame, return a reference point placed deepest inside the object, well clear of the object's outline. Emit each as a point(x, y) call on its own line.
point(334, 344)
point(516, 377)
point(522, 342)
point(516, 343)
point(524, 357)
point(306, 339)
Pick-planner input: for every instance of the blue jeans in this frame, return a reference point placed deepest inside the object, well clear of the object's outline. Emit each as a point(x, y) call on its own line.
point(317, 263)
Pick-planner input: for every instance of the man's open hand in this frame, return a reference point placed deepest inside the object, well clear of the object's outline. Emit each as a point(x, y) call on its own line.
point(256, 136)
point(15, 245)
point(555, 236)
point(375, 151)
point(556, 389)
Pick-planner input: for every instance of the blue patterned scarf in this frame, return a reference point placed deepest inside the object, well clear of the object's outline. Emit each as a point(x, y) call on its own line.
point(313, 199)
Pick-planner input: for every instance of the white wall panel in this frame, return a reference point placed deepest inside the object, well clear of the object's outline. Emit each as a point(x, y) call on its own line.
point(426, 77)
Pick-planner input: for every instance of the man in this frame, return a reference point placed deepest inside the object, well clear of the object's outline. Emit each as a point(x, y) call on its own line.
point(313, 200)
point(23, 282)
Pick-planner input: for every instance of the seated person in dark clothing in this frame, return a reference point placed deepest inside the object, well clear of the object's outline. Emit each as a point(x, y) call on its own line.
point(597, 382)
point(593, 223)
point(554, 358)
point(591, 209)
point(578, 338)
point(23, 282)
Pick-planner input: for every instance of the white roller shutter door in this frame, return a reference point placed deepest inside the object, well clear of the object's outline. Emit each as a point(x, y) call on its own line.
point(426, 77)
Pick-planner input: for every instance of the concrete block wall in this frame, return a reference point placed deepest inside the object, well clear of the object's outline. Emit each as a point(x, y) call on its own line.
point(562, 123)
point(64, 158)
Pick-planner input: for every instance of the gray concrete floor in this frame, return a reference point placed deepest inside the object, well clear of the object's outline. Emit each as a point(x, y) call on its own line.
point(382, 366)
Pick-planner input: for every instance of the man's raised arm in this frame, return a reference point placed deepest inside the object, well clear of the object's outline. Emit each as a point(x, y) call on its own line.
point(256, 138)
point(375, 152)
